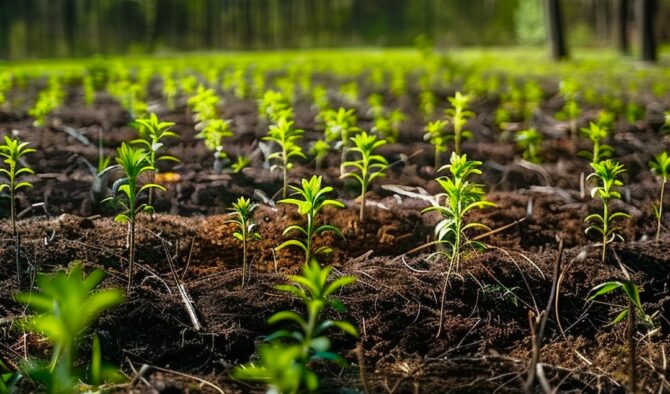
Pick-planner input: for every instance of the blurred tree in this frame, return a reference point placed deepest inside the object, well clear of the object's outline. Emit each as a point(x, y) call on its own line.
point(646, 15)
point(555, 33)
point(529, 23)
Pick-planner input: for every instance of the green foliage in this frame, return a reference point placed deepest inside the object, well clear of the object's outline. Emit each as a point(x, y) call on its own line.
point(320, 99)
point(349, 92)
point(312, 201)
point(66, 306)
point(340, 126)
point(461, 197)
point(274, 106)
point(241, 162)
point(286, 136)
point(569, 90)
point(89, 90)
point(284, 366)
point(47, 101)
point(458, 117)
point(632, 294)
point(367, 167)
point(242, 213)
point(170, 88)
point(212, 129)
point(438, 137)
point(427, 104)
point(130, 95)
point(597, 135)
point(8, 379)
point(660, 166)
point(530, 142)
point(320, 150)
point(529, 23)
point(606, 173)
point(5, 86)
point(152, 133)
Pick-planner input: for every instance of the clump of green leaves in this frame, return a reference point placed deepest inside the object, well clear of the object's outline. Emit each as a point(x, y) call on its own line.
point(245, 231)
point(461, 197)
point(12, 153)
point(152, 133)
point(312, 201)
point(320, 150)
point(133, 162)
point(340, 126)
point(212, 129)
point(438, 137)
point(569, 91)
point(274, 106)
point(530, 142)
point(660, 166)
point(241, 162)
point(47, 101)
point(606, 173)
point(458, 116)
point(65, 307)
point(285, 366)
point(367, 166)
point(597, 134)
point(5, 86)
point(286, 136)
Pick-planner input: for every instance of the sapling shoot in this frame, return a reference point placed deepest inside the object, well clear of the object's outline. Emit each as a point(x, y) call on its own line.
point(340, 126)
point(312, 201)
point(606, 173)
point(320, 150)
point(660, 166)
point(436, 134)
point(367, 166)
point(241, 162)
point(597, 134)
point(530, 142)
point(461, 197)
point(286, 136)
point(12, 153)
point(152, 133)
point(458, 117)
point(245, 231)
point(133, 162)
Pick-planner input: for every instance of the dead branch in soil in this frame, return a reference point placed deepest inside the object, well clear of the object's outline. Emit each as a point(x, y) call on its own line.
point(185, 297)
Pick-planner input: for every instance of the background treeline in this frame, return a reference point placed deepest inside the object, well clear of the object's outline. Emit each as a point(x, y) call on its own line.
point(60, 28)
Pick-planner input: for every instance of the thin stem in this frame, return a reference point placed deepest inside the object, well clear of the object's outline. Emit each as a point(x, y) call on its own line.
point(605, 229)
point(660, 211)
point(244, 251)
point(131, 254)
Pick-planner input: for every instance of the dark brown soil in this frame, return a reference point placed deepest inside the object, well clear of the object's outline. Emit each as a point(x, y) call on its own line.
point(484, 338)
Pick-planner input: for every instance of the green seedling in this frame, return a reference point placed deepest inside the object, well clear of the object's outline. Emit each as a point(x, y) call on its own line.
point(274, 106)
point(660, 166)
point(312, 201)
point(133, 162)
point(5, 85)
point(320, 100)
point(376, 104)
point(320, 150)
point(152, 133)
point(170, 88)
point(242, 212)
point(633, 312)
point(458, 117)
point(349, 92)
point(47, 101)
point(530, 142)
point(597, 135)
point(284, 366)
point(340, 127)
point(241, 162)
point(367, 166)
point(12, 153)
point(65, 308)
point(569, 90)
point(88, 88)
point(606, 173)
point(286, 136)
point(461, 197)
point(436, 134)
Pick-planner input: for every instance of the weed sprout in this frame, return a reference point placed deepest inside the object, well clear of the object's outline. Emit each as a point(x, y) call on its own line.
point(286, 136)
point(529, 141)
point(242, 212)
point(660, 166)
point(458, 117)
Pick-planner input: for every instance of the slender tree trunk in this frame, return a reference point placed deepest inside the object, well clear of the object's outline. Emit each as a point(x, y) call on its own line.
point(646, 15)
point(555, 31)
point(622, 26)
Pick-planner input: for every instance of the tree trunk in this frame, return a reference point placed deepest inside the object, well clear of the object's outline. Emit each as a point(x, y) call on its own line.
point(646, 15)
point(555, 32)
point(622, 26)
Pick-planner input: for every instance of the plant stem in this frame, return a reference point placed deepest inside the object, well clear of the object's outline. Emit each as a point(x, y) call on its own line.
point(285, 189)
point(361, 215)
point(244, 254)
point(605, 229)
point(17, 240)
point(131, 254)
point(660, 211)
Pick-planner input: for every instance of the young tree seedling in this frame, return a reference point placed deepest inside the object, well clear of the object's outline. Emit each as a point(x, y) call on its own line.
point(284, 366)
point(241, 162)
point(242, 212)
point(461, 197)
point(286, 136)
point(340, 126)
point(597, 135)
point(660, 166)
point(65, 308)
point(458, 117)
point(530, 142)
point(436, 134)
point(367, 167)
point(133, 162)
point(320, 150)
point(152, 133)
point(312, 201)
point(606, 173)
point(12, 153)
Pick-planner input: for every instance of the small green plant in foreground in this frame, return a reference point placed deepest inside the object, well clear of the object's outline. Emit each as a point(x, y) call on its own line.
point(436, 134)
point(133, 162)
point(153, 132)
point(312, 202)
point(12, 152)
point(458, 117)
point(284, 366)
point(660, 165)
point(286, 136)
point(65, 307)
point(461, 197)
point(530, 142)
point(367, 167)
point(245, 231)
point(597, 135)
point(606, 173)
